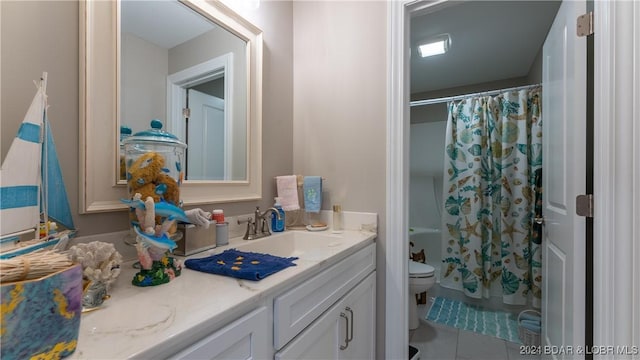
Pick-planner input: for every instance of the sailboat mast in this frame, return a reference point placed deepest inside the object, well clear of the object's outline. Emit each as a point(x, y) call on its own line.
point(45, 178)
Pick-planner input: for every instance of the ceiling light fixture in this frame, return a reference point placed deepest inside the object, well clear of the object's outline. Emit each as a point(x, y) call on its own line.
point(435, 45)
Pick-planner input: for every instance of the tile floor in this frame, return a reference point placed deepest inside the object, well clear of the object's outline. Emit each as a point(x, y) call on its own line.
point(441, 342)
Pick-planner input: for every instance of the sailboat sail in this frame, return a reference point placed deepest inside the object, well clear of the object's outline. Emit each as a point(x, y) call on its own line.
point(57, 201)
point(31, 184)
point(20, 175)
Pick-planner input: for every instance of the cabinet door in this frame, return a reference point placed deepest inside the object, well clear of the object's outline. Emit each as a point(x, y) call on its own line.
point(345, 331)
point(296, 309)
point(245, 338)
point(318, 341)
point(360, 308)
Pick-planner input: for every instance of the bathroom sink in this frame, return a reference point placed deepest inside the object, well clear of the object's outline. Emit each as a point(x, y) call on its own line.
point(313, 246)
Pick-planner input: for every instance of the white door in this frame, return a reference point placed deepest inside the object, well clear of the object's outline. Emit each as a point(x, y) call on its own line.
point(206, 137)
point(564, 174)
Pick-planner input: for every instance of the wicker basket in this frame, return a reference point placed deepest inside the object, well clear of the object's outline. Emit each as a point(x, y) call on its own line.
point(528, 337)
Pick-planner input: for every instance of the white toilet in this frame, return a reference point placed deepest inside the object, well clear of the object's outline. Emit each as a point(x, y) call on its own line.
point(421, 278)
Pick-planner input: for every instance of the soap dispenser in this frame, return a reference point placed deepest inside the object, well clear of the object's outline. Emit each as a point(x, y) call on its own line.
point(277, 225)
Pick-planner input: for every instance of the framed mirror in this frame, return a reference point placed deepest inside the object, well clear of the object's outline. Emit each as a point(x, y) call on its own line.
point(157, 68)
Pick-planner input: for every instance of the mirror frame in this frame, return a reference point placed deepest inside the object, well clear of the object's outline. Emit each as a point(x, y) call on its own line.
point(100, 107)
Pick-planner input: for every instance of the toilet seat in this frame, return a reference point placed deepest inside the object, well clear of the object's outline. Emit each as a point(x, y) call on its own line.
point(420, 270)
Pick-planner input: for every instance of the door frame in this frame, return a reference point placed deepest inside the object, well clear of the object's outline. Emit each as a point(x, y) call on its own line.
point(178, 82)
point(616, 320)
point(616, 174)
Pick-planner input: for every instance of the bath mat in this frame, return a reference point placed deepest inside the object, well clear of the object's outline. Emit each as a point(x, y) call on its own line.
point(455, 313)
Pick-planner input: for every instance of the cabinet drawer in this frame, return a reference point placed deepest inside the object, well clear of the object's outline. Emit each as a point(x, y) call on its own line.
point(245, 338)
point(297, 308)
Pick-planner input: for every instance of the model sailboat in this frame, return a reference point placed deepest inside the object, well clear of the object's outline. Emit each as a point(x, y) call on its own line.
point(32, 190)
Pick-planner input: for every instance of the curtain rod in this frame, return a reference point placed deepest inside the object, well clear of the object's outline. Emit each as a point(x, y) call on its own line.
point(460, 97)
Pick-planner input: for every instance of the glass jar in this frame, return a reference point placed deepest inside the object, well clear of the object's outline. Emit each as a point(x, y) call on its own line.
point(125, 132)
point(154, 162)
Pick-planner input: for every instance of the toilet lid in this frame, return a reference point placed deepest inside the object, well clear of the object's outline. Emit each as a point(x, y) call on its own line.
point(416, 268)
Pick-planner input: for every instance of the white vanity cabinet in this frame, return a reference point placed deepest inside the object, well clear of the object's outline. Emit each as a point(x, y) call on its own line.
point(345, 331)
point(245, 338)
point(330, 316)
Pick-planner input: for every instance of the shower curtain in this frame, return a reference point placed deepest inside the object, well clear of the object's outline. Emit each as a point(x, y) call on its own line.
point(493, 158)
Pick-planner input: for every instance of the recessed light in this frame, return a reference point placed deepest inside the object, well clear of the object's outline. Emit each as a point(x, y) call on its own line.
point(435, 45)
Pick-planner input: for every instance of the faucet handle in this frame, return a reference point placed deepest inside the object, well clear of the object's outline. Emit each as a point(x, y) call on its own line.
point(265, 226)
point(251, 227)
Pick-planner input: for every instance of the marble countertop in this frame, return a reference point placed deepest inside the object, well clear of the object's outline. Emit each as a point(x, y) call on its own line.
point(151, 322)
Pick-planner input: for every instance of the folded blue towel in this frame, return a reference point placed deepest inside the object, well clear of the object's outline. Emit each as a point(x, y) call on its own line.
point(529, 316)
point(312, 190)
point(240, 264)
point(530, 322)
point(534, 328)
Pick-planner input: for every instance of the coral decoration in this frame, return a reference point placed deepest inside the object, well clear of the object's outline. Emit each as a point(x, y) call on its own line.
point(100, 261)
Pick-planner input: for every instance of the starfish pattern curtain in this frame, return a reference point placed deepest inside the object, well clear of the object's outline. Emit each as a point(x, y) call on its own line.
point(493, 158)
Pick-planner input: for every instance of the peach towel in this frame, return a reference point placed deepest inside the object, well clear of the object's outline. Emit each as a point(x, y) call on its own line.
point(288, 192)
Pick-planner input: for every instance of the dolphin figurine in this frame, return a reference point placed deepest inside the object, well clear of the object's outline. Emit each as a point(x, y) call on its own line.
point(162, 208)
point(135, 203)
point(170, 211)
point(162, 242)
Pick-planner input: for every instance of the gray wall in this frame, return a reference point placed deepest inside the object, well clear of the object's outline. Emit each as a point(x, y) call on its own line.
point(339, 109)
point(39, 36)
point(213, 87)
point(143, 84)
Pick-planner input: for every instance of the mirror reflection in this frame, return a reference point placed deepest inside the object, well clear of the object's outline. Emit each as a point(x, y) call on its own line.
point(178, 66)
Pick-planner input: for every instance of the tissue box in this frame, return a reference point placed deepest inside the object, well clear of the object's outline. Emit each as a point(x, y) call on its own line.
point(41, 317)
point(195, 239)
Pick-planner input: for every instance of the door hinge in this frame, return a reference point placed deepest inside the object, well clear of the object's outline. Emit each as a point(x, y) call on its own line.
point(584, 24)
point(584, 205)
point(186, 112)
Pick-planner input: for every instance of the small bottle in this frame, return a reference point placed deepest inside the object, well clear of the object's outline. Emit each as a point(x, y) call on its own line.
point(277, 225)
point(337, 219)
point(218, 216)
point(222, 234)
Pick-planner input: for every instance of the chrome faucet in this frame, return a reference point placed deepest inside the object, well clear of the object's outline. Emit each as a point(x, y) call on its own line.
point(259, 226)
